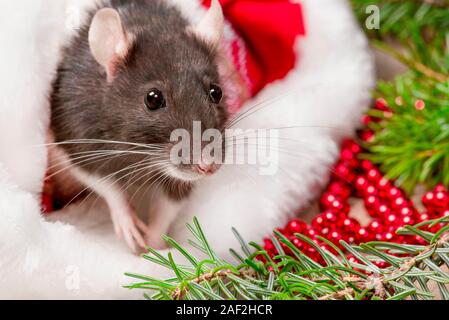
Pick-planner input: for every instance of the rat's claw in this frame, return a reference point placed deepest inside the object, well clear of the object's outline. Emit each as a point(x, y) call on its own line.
point(129, 241)
point(126, 224)
point(142, 226)
point(138, 237)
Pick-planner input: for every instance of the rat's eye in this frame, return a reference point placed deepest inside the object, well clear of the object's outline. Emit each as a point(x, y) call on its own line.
point(215, 94)
point(154, 99)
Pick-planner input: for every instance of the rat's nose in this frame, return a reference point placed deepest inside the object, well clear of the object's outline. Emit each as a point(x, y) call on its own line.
point(206, 168)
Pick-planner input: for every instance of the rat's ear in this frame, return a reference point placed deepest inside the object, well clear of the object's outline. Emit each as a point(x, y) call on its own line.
point(108, 40)
point(211, 27)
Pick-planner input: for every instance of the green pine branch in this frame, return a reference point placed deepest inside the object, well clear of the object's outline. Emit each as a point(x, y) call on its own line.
point(413, 270)
point(411, 145)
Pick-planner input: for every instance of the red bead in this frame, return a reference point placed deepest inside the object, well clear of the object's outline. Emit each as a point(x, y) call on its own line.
point(318, 222)
point(440, 188)
point(325, 221)
point(367, 120)
point(296, 226)
point(383, 210)
point(349, 224)
point(311, 233)
point(326, 200)
point(352, 146)
point(391, 219)
point(349, 228)
point(370, 191)
point(340, 207)
point(373, 175)
point(399, 203)
point(343, 172)
point(394, 193)
point(361, 183)
point(441, 200)
point(383, 184)
point(268, 245)
point(330, 216)
point(387, 236)
point(335, 237)
point(367, 135)
point(445, 213)
point(366, 165)
point(375, 227)
point(381, 104)
point(407, 220)
point(362, 235)
point(423, 217)
point(349, 158)
point(339, 189)
point(427, 199)
point(371, 205)
point(420, 104)
point(406, 212)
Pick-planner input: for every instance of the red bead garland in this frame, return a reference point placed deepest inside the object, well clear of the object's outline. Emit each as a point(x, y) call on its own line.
point(387, 204)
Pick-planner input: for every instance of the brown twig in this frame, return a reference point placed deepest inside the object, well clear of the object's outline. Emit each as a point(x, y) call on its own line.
point(415, 65)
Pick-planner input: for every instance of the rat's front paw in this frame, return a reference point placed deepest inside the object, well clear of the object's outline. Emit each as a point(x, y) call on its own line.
point(129, 227)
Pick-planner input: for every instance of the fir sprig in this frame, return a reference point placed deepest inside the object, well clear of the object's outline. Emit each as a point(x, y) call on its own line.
point(410, 143)
point(412, 272)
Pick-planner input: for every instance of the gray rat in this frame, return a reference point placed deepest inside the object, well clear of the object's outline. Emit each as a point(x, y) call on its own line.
point(134, 73)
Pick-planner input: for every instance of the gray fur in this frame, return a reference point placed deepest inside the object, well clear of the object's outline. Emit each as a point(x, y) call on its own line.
point(164, 55)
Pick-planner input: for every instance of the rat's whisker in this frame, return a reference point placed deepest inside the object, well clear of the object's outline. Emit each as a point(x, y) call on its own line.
point(257, 145)
point(138, 167)
point(100, 141)
point(237, 141)
point(80, 156)
point(88, 160)
point(148, 165)
point(145, 170)
point(71, 164)
point(165, 176)
point(149, 174)
point(257, 107)
point(305, 157)
point(106, 178)
point(265, 103)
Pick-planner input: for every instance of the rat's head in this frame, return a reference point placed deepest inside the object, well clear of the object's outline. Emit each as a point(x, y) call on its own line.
point(161, 76)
